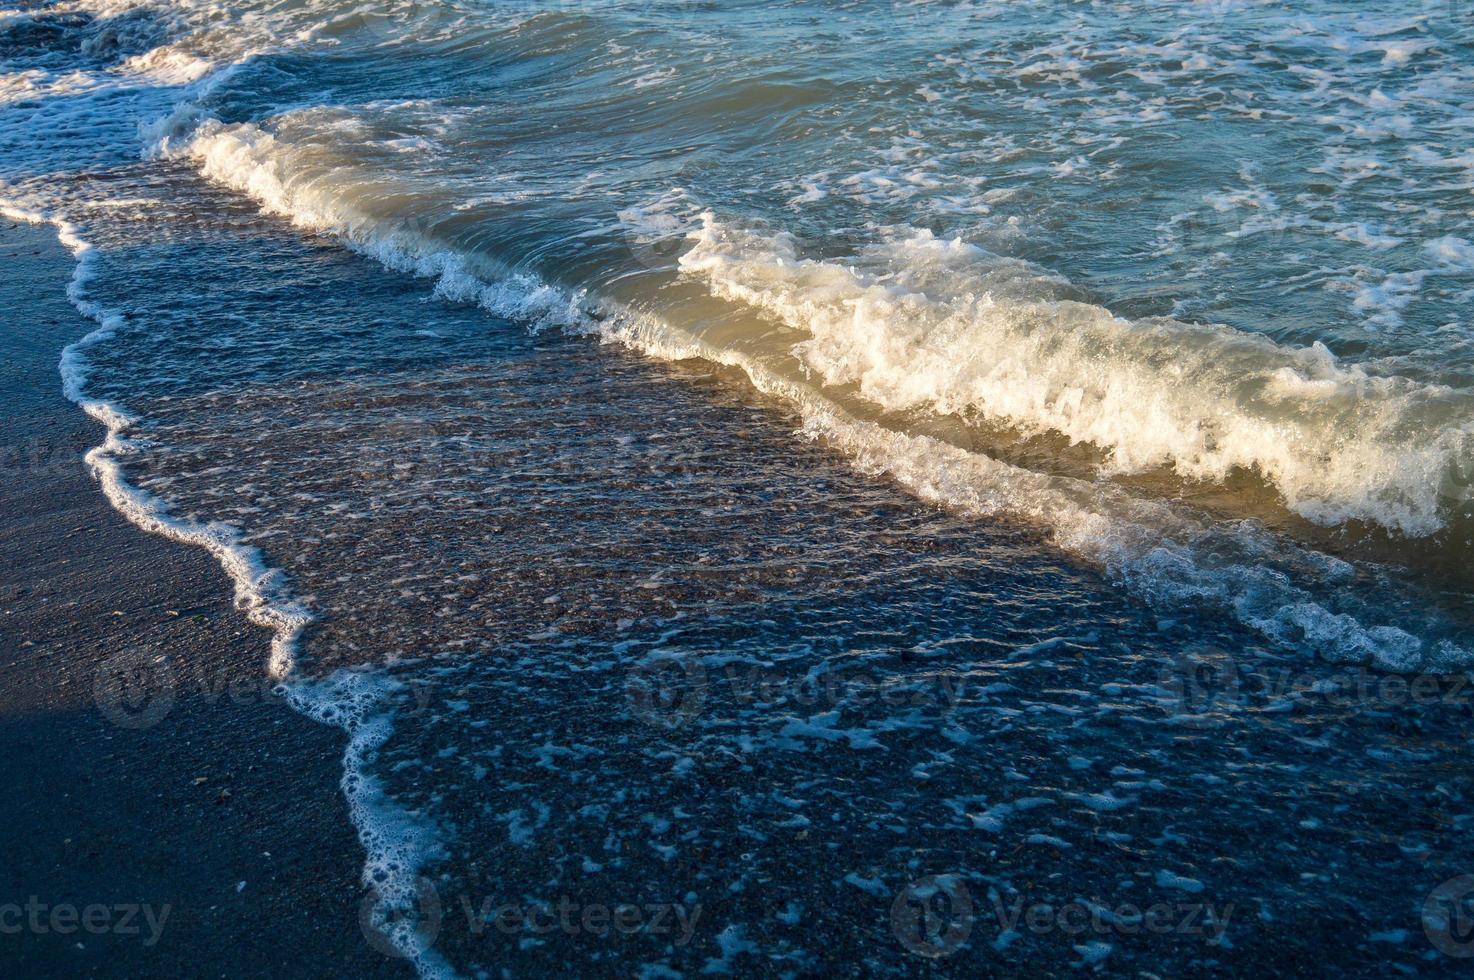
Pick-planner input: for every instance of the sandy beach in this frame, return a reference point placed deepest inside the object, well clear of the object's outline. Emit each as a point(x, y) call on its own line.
point(202, 815)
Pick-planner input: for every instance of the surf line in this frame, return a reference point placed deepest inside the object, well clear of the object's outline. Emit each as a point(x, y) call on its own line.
point(362, 703)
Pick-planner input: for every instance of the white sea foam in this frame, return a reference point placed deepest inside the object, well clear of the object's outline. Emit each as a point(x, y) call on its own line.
point(919, 321)
point(253, 162)
point(1155, 547)
point(397, 841)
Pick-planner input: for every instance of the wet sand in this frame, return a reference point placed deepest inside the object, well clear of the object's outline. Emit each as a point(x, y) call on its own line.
point(190, 826)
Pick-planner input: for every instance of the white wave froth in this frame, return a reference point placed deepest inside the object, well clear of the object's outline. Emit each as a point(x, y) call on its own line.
point(361, 703)
point(1167, 553)
point(921, 322)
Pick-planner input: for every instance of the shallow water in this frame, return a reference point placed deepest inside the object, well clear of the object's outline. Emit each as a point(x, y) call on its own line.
point(752, 458)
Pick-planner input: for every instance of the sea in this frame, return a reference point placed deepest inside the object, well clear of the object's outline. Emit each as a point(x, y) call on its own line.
point(837, 477)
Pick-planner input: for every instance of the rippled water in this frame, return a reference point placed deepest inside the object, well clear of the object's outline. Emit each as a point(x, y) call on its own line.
point(756, 456)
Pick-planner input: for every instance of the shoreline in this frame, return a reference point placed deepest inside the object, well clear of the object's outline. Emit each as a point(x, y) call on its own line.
point(195, 826)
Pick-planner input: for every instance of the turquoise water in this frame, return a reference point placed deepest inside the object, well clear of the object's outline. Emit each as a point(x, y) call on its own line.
point(1077, 371)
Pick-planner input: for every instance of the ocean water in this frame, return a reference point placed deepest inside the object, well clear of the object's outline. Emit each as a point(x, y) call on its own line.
point(753, 457)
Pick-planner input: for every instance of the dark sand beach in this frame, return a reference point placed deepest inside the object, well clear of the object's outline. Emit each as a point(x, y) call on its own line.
point(206, 819)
